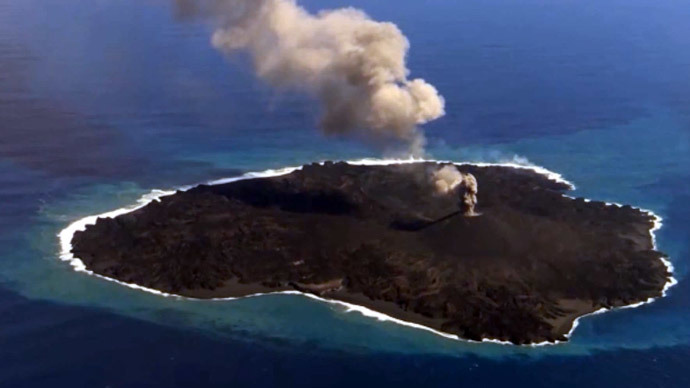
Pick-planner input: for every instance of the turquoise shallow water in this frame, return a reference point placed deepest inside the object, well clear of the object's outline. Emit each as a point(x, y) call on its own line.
point(299, 319)
point(102, 103)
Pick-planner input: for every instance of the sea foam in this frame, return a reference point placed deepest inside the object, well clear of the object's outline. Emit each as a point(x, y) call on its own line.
point(65, 236)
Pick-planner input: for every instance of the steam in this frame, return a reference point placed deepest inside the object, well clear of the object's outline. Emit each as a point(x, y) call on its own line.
point(353, 65)
point(448, 179)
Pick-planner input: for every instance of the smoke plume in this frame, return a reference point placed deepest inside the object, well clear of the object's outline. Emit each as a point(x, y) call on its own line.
point(353, 65)
point(448, 179)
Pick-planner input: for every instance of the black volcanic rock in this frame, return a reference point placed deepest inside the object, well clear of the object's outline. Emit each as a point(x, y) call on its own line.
point(379, 236)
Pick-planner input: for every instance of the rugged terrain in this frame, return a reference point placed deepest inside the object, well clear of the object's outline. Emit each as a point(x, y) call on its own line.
point(382, 237)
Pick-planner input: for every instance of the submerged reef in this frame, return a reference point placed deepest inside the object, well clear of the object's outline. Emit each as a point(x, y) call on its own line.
point(522, 269)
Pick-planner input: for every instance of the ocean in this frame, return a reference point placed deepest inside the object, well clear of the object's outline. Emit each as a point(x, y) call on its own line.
point(102, 102)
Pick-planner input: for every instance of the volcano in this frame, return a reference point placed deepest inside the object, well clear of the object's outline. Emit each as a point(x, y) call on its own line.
point(523, 270)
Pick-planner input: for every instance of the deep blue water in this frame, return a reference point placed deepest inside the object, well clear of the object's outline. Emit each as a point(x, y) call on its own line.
point(103, 101)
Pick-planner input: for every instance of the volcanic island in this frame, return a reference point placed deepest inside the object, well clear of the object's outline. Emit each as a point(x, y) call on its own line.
point(520, 267)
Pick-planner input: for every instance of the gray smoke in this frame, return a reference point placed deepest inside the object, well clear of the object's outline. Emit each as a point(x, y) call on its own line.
point(448, 179)
point(469, 196)
point(353, 65)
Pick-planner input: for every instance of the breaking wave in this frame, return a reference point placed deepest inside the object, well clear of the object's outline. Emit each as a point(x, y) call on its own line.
point(65, 237)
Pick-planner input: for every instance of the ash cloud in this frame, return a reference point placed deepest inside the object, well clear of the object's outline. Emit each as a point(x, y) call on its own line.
point(353, 65)
point(448, 179)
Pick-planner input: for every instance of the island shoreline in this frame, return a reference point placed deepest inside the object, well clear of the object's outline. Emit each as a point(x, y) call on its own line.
point(67, 234)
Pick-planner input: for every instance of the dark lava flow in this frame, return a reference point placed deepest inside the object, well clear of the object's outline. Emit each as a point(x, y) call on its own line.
point(381, 237)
